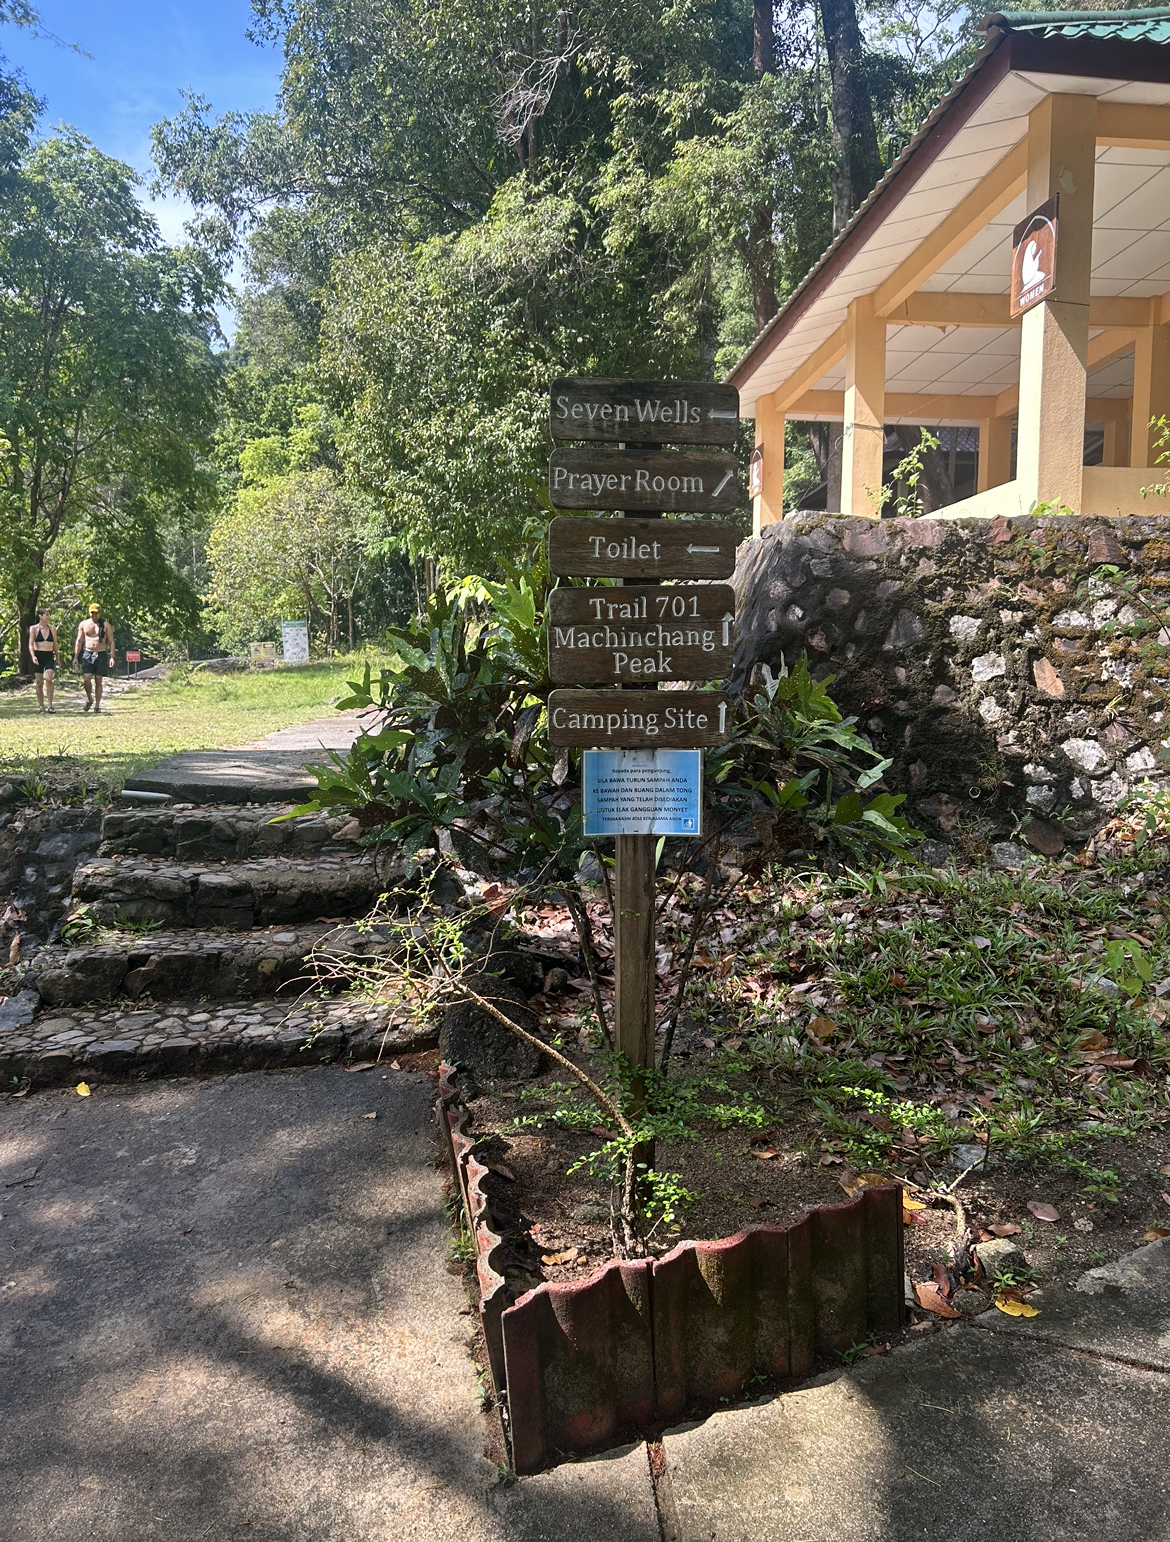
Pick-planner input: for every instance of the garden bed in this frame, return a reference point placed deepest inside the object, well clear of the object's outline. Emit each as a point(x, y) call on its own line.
point(879, 1023)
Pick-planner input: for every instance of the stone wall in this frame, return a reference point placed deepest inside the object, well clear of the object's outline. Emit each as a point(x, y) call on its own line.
point(999, 663)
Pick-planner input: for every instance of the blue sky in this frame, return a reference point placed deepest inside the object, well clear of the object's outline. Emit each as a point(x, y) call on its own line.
point(144, 53)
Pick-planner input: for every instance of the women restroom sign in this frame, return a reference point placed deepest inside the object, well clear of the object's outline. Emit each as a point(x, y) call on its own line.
point(642, 792)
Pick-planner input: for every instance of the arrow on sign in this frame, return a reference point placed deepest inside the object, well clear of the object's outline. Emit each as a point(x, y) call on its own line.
point(714, 550)
point(715, 412)
point(727, 476)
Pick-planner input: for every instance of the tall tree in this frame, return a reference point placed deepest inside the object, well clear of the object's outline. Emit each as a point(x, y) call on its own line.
point(857, 161)
point(107, 379)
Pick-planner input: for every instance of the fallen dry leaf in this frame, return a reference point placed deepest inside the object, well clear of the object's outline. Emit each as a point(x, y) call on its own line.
point(829, 1160)
point(1156, 1233)
point(822, 1028)
point(1166, 1196)
point(877, 1122)
point(1090, 1043)
point(765, 1153)
point(83, 1089)
point(981, 942)
point(362, 1065)
point(1165, 1171)
point(914, 1218)
point(565, 1256)
point(504, 1172)
point(930, 1299)
point(862, 1181)
point(1016, 1308)
point(1043, 1212)
point(1004, 1229)
point(913, 1204)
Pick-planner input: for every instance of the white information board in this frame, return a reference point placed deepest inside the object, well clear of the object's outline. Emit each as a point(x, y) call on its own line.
point(295, 641)
point(642, 792)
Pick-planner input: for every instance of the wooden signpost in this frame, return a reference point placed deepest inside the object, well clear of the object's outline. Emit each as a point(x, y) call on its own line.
point(668, 720)
point(625, 411)
point(632, 636)
point(645, 550)
point(640, 636)
point(643, 479)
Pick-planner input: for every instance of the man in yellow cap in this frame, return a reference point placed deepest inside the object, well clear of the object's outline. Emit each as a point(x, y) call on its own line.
point(94, 647)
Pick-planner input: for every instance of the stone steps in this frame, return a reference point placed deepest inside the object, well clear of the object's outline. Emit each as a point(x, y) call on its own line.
point(229, 833)
point(236, 895)
point(204, 964)
point(185, 1036)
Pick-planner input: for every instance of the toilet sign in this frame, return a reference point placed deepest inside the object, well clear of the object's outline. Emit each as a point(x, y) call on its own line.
point(1034, 257)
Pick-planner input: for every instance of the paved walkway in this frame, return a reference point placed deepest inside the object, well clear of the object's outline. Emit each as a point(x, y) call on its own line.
point(269, 771)
point(225, 1313)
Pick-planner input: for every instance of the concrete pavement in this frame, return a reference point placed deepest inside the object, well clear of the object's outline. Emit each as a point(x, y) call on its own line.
point(269, 771)
point(225, 1313)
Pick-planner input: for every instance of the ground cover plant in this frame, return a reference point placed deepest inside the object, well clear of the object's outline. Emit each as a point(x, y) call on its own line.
point(192, 710)
point(998, 1035)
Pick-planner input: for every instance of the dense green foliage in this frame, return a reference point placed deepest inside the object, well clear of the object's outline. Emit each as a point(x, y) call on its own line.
point(454, 204)
point(462, 755)
point(450, 206)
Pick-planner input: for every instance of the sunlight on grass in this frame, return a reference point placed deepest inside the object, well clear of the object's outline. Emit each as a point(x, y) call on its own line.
point(146, 723)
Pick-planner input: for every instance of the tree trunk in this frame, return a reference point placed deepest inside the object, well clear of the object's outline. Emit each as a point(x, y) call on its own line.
point(763, 39)
point(27, 602)
point(761, 248)
point(857, 159)
point(349, 618)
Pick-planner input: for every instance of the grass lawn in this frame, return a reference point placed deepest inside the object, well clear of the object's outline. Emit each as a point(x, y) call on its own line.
point(143, 724)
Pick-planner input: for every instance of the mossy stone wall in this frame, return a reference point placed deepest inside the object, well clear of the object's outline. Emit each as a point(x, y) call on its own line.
point(1009, 663)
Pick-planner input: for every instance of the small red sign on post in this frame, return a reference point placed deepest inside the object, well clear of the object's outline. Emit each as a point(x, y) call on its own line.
point(133, 658)
point(1034, 257)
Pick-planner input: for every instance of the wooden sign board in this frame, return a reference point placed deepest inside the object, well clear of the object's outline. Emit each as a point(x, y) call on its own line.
point(1034, 257)
point(640, 636)
point(701, 482)
point(644, 411)
point(651, 549)
point(639, 720)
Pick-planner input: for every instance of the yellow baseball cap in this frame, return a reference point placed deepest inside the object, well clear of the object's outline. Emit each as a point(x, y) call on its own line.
point(95, 610)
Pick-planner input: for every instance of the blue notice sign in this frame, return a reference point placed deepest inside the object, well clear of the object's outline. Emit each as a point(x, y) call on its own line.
point(642, 792)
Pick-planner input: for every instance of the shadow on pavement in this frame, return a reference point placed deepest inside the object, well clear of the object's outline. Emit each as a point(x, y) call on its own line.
point(225, 1313)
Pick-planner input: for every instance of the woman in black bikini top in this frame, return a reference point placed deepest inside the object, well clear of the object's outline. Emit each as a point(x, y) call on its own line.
point(43, 645)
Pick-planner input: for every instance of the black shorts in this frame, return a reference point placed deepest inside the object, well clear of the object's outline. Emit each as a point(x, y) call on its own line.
point(95, 663)
point(43, 661)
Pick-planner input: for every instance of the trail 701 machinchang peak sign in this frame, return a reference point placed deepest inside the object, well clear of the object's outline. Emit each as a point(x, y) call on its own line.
point(641, 635)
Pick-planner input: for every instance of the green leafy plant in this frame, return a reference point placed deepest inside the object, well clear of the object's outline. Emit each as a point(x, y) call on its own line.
point(81, 925)
point(800, 767)
point(1127, 965)
point(902, 489)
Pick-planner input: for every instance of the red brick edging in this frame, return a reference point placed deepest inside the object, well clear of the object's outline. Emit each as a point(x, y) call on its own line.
point(578, 1365)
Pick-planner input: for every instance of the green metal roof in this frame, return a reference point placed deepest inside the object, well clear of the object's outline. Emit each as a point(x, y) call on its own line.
point(1149, 25)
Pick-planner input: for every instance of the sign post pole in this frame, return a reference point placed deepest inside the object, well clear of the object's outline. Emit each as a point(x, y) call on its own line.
point(634, 951)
